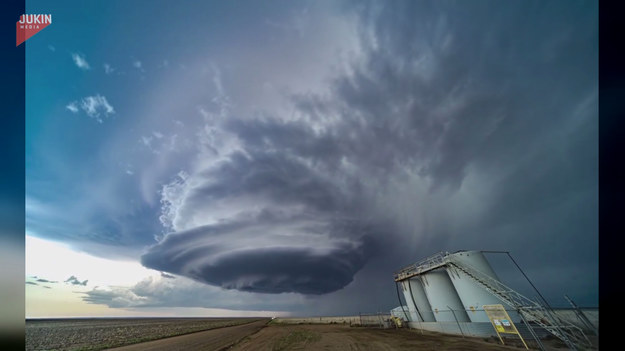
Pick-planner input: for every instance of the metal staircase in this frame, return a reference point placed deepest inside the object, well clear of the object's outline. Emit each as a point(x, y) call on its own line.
point(428, 264)
point(570, 334)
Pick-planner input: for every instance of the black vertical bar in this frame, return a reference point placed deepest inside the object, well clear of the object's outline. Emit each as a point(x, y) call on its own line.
point(12, 140)
point(611, 166)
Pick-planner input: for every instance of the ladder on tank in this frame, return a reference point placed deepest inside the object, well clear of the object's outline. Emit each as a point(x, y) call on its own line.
point(570, 334)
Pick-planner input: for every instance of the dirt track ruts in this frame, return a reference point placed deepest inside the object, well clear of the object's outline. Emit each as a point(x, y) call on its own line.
point(214, 339)
point(339, 337)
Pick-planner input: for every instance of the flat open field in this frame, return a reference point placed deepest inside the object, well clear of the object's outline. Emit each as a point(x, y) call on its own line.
point(278, 337)
point(98, 334)
point(245, 335)
point(214, 339)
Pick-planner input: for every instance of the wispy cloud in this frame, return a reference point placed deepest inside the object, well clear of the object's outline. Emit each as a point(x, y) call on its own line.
point(74, 281)
point(80, 61)
point(183, 292)
point(146, 140)
point(41, 280)
point(95, 107)
point(168, 276)
point(72, 106)
point(138, 65)
point(108, 69)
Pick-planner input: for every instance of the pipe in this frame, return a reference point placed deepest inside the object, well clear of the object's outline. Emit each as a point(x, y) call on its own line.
point(401, 304)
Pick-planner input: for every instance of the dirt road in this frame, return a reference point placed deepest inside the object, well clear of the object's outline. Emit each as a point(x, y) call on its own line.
point(214, 339)
point(338, 337)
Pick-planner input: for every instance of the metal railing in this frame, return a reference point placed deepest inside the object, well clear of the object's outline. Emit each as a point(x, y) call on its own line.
point(379, 319)
point(455, 321)
point(427, 264)
point(529, 310)
point(570, 334)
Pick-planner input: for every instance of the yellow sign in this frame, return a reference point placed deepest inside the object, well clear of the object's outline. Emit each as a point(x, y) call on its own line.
point(501, 321)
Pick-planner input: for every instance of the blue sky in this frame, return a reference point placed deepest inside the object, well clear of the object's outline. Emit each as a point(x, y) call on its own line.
point(289, 156)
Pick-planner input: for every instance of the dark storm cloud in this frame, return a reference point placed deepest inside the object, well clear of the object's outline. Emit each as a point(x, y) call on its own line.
point(252, 257)
point(271, 175)
point(291, 226)
point(478, 120)
point(74, 281)
point(505, 96)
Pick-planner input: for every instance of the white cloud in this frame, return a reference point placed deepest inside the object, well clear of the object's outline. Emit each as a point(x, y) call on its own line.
point(108, 69)
point(204, 113)
point(72, 107)
point(173, 141)
point(147, 141)
point(81, 62)
point(96, 106)
point(153, 291)
point(138, 65)
point(172, 197)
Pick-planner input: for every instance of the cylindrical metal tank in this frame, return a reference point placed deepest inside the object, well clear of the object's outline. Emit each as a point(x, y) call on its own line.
point(413, 316)
point(417, 301)
point(420, 299)
point(473, 295)
point(442, 296)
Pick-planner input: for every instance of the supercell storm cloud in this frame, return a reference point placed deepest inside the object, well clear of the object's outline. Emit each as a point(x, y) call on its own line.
point(309, 149)
point(431, 96)
point(273, 258)
point(267, 219)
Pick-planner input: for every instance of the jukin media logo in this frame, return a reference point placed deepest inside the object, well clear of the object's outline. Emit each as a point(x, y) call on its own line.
point(29, 25)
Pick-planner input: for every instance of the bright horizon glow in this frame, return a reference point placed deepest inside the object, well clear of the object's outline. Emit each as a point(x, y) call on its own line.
point(57, 262)
point(67, 262)
point(64, 300)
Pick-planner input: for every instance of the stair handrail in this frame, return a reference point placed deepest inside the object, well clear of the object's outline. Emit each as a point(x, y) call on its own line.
point(530, 309)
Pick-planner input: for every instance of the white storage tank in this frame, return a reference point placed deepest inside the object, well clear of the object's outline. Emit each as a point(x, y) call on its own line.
point(411, 308)
point(472, 294)
point(442, 296)
point(420, 299)
point(417, 301)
